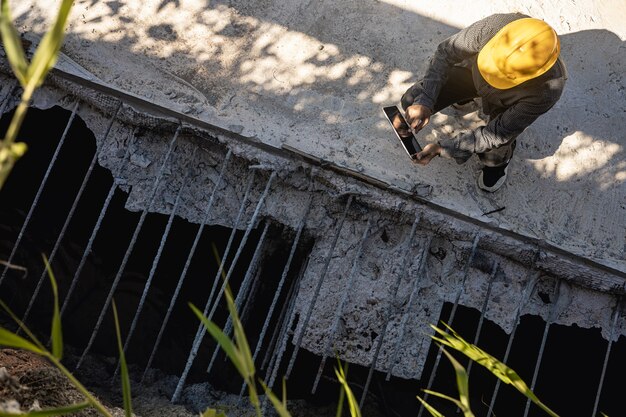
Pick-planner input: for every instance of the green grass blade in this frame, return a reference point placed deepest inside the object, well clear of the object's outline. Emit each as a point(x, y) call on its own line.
point(56, 334)
point(462, 382)
point(279, 406)
point(497, 368)
point(211, 412)
point(126, 394)
point(243, 349)
point(340, 401)
point(11, 340)
point(353, 405)
point(48, 50)
point(225, 343)
point(245, 363)
point(25, 329)
point(240, 336)
point(444, 396)
point(12, 44)
point(68, 409)
point(433, 412)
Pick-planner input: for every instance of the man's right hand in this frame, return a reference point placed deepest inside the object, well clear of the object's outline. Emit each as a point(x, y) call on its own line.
point(417, 116)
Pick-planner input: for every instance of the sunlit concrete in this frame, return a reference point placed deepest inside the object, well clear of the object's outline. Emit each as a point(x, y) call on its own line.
point(314, 76)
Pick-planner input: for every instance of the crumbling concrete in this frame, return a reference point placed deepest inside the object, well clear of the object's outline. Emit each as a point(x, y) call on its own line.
point(442, 242)
point(313, 76)
point(296, 89)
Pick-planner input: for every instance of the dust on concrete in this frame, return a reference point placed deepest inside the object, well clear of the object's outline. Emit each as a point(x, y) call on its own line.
point(314, 77)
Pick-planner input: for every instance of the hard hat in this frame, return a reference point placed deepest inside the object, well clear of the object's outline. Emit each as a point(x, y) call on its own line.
point(522, 50)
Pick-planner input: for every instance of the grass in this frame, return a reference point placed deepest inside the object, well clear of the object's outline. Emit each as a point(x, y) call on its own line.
point(54, 356)
point(30, 75)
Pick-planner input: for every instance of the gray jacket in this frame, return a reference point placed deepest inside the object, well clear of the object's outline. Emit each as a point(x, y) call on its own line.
point(510, 111)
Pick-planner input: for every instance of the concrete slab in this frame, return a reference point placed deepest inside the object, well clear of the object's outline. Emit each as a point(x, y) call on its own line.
point(314, 75)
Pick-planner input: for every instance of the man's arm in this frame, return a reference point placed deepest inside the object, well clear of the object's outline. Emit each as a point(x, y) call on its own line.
point(500, 131)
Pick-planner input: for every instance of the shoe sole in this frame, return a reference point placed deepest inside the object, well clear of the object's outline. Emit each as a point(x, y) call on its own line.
point(494, 187)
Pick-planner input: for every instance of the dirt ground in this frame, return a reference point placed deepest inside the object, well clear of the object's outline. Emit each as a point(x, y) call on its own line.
point(28, 382)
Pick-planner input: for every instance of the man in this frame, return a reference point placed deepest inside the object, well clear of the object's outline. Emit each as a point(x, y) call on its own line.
point(510, 61)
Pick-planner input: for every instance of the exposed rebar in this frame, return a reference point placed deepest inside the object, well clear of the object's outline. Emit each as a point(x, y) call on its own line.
point(551, 318)
point(39, 192)
point(483, 311)
point(242, 294)
point(457, 298)
point(405, 317)
point(283, 277)
point(344, 298)
point(70, 214)
point(183, 274)
point(616, 312)
point(525, 296)
point(318, 286)
point(157, 258)
point(131, 246)
point(388, 312)
point(200, 332)
point(96, 228)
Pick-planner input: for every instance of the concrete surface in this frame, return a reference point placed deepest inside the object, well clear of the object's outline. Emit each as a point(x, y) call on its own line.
point(314, 75)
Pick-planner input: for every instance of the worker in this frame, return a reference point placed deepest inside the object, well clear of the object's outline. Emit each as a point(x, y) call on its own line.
point(511, 62)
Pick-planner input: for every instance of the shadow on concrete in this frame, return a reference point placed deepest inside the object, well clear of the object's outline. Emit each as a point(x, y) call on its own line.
point(315, 74)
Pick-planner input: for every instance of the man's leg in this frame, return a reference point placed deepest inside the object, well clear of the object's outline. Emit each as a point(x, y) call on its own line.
point(459, 87)
point(496, 162)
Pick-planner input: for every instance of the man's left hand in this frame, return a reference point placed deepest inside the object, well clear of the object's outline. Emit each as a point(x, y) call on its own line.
point(428, 153)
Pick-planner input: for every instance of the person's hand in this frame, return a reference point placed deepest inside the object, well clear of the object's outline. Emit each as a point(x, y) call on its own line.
point(428, 153)
point(417, 116)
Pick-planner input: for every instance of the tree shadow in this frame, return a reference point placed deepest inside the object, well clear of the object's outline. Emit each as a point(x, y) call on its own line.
point(316, 74)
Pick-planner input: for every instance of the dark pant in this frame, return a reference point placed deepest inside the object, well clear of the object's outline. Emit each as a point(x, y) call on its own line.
point(459, 88)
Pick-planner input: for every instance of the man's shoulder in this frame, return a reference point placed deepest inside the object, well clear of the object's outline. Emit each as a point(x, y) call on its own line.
point(503, 19)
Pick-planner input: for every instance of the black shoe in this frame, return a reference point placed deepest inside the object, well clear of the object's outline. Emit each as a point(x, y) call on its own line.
point(491, 179)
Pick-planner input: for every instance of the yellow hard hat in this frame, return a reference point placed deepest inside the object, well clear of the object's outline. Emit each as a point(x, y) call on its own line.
point(522, 50)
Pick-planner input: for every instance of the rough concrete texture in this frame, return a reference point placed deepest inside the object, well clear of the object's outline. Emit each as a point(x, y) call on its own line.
point(391, 290)
point(314, 76)
point(393, 297)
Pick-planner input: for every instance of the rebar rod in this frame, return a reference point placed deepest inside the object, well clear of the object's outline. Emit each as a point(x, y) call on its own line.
point(231, 238)
point(318, 286)
point(157, 258)
point(457, 298)
point(277, 356)
point(12, 87)
point(222, 263)
point(551, 318)
point(200, 332)
point(483, 311)
point(253, 265)
point(70, 214)
point(342, 302)
point(405, 318)
point(96, 228)
point(243, 290)
point(388, 312)
point(405, 266)
point(285, 311)
point(283, 277)
point(183, 274)
point(618, 303)
point(131, 246)
point(39, 192)
point(525, 296)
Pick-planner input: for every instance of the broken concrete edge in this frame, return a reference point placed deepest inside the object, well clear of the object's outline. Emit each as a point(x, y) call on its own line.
point(552, 259)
